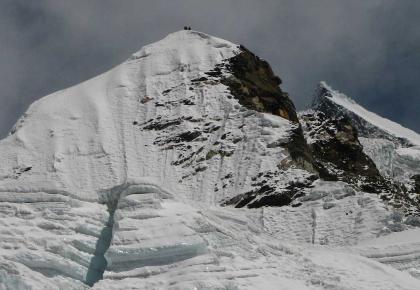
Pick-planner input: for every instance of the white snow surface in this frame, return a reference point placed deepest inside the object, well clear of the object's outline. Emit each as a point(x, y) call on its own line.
point(81, 171)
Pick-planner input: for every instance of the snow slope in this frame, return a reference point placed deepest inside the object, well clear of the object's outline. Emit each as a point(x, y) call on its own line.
point(400, 250)
point(116, 183)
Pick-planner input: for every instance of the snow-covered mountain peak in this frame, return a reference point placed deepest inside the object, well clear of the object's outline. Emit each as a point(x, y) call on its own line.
point(186, 50)
point(190, 94)
point(188, 39)
point(394, 148)
point(326, 91)
point(326, 96)
point(94, 120)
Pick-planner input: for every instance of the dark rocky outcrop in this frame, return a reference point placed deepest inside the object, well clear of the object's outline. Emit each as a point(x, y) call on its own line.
point(265, 196)
point(253, 83)
point(300, 152)
point(355, 169)
point(256, 87)
point(338, 153)
point(416, 181)
point(272, 190)
point(160, 124)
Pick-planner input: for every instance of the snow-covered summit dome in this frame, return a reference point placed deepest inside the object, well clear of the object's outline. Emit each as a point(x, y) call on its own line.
point(82, 138)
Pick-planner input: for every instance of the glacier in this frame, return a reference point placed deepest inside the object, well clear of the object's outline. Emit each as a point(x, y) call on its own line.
point(117, 183)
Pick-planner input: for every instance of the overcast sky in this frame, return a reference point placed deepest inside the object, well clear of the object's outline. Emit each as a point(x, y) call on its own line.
point(369, 50)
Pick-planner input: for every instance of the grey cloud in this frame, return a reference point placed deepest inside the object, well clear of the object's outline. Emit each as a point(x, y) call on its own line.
point(367, 49)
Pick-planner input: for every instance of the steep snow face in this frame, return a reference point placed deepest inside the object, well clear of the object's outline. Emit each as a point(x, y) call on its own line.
point(116, 183)
point(394, 149)
point(82, 139)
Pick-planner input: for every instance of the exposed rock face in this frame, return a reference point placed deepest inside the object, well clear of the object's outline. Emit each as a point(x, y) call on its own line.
point(347, 147)
point(338, 153)
point(395, 150)
point(256, 87)
point(252, 82)
point(267, 191)
point(416, 179)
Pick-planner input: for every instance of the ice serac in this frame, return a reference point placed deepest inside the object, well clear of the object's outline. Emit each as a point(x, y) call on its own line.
point(116, 183)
